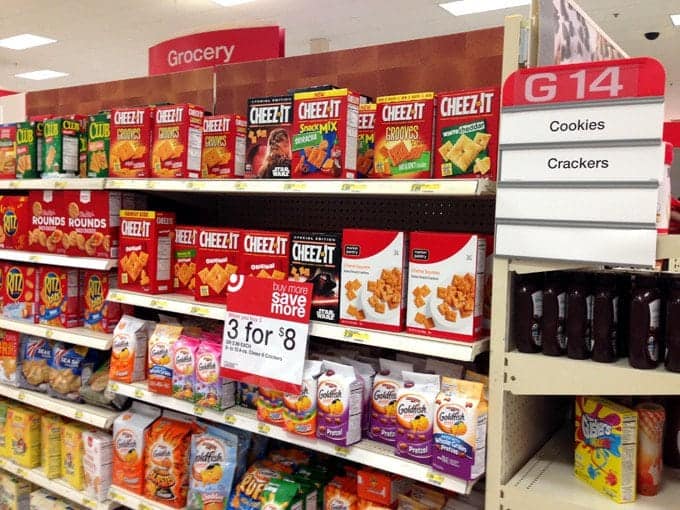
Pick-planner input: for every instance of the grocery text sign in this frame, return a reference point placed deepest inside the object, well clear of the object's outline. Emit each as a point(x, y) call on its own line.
point(266, 331)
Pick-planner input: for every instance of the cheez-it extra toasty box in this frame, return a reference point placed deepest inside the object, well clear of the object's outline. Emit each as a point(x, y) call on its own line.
point(130, 141)
point(16, 219)
point(373, 279)
point(224, 147)
point(325, 134)
point(58, 302)
point(466, 134)
point(403, 136)
point(218, 256)
point(268, 141)
point(184, 260)
point(264, 254)
point(48, 221)
point(92, 222)
point(8, 151)
point(445, 285)
point(177, 141)
point(19, 289)
point(366, 141)
point(145, 251)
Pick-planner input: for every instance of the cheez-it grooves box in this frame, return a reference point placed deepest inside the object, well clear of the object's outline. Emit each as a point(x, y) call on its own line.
point(224, 147)
point(403, 136)
point(177, 141)
point(325, 134)
point(466, 134)
point(130, 142)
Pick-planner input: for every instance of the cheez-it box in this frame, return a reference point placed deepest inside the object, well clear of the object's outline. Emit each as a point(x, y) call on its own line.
point(217, 258)
point(177, 141)
point(145, 251)
point(130, 144)
point(373, 279)
point(466, 134)
point(224, 147)
point(92, 223)
point(366, 141)
point(265, 254)
point(48, 221)
point(268, 142)
point(445, 285)
point(403, 136)
point(184, 260)
point(325, 134)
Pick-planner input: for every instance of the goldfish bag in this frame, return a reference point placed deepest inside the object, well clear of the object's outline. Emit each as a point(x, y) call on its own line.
point(184, 367)
point(383, 420)
point(160, 357)
point(299, 411)
point(128, 354)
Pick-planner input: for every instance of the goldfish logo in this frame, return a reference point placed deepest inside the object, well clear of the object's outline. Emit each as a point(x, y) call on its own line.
point(10, 222)
point(14, 283)
point(95, 293)
point(52, 290)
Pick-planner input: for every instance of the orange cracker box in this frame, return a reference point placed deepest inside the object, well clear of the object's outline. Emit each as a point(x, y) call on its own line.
point(446, 284)
point(92, 222)
point(325, 134)
point(184, 260)
point(380, 487)
point(20, 286)
point(130, 141)
point(218, 257)
point(177, 141)
point(268, 141)
point(403, 136)
point(466, 134)
point(16, 219)
point(366, 142)
point(373, 279)
point(224, 147)
point(265, 254)
point(48, 221)
point(8, 151)
point(145, 251)
point(98, 313)
point(58, 302)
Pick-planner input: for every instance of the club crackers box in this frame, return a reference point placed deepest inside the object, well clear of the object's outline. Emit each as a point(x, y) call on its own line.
point(62, 146)
point(20, 286)
point(8, 151)
point(218, 256)
point(466, 134)
point(58, 302)
point(27, 151)
point(48, 222)
point(130, 144)
point(145, 251)
point(315, 258)
point(403, 136)
point(224, 147)
point(39, 121)
point(268, 140)
point(325, 134)
point(177, 141)
point(265, 254)
point(184, 265)
point(366, 142)
point(16, 220)
point(98, 144)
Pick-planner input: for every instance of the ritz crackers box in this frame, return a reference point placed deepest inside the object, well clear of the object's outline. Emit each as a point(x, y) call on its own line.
point(48, 221)
point(20, 286)
point(145, 251)
point(58, 302)
point(218, 256)
point(325, 134)
point(224, 147)
point(98, 144)
point(466, 134)
point(184, 260)
point(27, 151)
point(98, 313)
point(16, 219)
point(265, 254)
point(403, 136)
point(62, 147)
point(177, 141)
point(268, 140)
point(92, 223)
point(8, 151)
point(366, 141)
point(130, 143)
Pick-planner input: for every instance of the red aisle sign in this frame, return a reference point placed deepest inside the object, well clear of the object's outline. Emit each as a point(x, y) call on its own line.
point(215, 48)
point(266, 332)
point(592, 81)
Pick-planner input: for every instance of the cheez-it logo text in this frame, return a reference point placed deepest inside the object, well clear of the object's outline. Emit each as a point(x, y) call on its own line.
point(472, 104)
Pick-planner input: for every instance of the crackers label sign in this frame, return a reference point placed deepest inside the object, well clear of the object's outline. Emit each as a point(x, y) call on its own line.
point(266, 331)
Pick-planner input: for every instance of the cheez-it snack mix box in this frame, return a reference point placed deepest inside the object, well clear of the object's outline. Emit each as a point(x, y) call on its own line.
point(403, 136)
point(184, 260)
point(92, 223)
point(145, 251)
point(325, 134)
point(48, 222)
point(58, 302)
point(177, 141)
point(445, 285)
point(218, 256)
point(130, 143)
point(268, 141)
point(224, 147)
point(20, 286)
point(373, 279)
point(16, 220)
point(466, 134)
point(265, 254)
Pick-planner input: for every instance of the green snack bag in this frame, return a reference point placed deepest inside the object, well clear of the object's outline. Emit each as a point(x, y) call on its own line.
point(280, 494)
point(98, 143)
point(308, 492)
point(27, 151)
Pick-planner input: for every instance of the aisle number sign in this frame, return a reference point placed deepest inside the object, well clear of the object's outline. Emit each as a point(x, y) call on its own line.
point(581, 156)
point(266, 331)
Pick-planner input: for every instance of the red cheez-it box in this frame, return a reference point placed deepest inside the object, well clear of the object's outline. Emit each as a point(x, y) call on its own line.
point(466, 134)
point(145, 251)
point(177, 141)
point(184, 266)
point(130, 142)
point(224, 147)
point(265, 254)
point(217, 258)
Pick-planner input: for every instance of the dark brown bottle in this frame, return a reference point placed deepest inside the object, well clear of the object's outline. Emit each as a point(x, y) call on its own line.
point(553, 334)
point(528, 308)
point(579, 317)
point(673, 326)
point(623, 288)
point(671, 437)
point(646, 334)
point(605, 319)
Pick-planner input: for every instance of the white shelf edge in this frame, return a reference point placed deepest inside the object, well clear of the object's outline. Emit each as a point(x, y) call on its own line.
point(58, 260)
point(77, 336)
point(95, 416)
point(429, 346)
point(120, 496)
point(74, 183)
point(59, 487)
point(366, 452)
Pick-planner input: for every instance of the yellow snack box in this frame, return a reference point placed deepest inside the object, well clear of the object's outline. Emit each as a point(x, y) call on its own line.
point(72, 452)
point(23, 436)
point(51, 427)
point(4, 446)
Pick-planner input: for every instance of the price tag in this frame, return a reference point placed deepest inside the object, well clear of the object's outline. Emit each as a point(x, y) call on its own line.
point(353, 187)
point(160, 304)
point(79, 415)
point(139, 393)
point(425, 188)
point(201, 311)
point(266, 331)
point(114, 183)
point(143, 506)
point(115, 296)
point(199, 410)
point(674, 265)
point(434, 478)
point(21, 396)
point(150, 184)
point(34, 258)
point(2, 462)
point(88, 503)
point(49, 333)
point(113, 387)
point(295, 186)
point(21, 472)
point(358, 336)
point(263, 428)
point(341, 451)
point(14, 184)
point(240, 186)
point(196, 185)
point(115, 496)
point(59, 184)
point(230, 419)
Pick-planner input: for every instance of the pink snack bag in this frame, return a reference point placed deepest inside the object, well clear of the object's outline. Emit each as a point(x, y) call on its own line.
point(210, 389)
point(184, 367)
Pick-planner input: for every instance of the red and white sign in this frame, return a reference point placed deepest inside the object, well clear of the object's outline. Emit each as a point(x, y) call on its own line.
point(266, 332)
point(216, 48)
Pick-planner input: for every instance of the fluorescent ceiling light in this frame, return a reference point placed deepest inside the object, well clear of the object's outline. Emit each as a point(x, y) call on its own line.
point(463, 7)
point(675, 18)
point(23, 41)
point(229, 3)
point(43, 74)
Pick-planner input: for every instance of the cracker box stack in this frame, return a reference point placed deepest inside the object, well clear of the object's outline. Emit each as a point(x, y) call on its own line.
point(325, 134)
point(177, 141)
point(130, 144)
point(218, 256)
point(403, 136)
point(62, 146)
point(224, 147)
point(268, 140)
point(466, 134)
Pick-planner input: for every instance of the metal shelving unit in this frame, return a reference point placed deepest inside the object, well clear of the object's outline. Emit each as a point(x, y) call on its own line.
point(79, 336)
point(58, 260)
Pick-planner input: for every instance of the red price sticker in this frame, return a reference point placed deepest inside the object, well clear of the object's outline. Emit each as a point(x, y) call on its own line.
point(265, 332)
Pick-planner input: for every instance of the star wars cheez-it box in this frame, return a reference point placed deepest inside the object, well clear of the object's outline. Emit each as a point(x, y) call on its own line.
point(218, 256)
point(325, 134)
point(224, 147)
point(130, 143)
point(373, 279)
point(466, 134)
point(177, 141)
point(145, 251)
point(268, 141)
point(403, 136)
point(265, 254)
point(184, 263)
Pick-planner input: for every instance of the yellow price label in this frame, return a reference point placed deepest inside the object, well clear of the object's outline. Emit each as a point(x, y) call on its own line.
point(143, 506)
point(425, 188)
point(49, 333)
point(353, 187)
point(14, 184)
point(34, 258)
point(295, 186)
point(115, 496)
point(114, 183)
point(79, 415)
point(341, 451)
point(240, 186)
point(201, 311)
point(198, 410)
point(150, 185)
point(359, 336)
point(21, 472)
point(230, 419)
point(59, 184)
point(139, 393)
point(113, 386)
point(115, 296)
point(435, 478)
point(21, 396)
point(89, 503)
point(158, 303)
point(263, 428)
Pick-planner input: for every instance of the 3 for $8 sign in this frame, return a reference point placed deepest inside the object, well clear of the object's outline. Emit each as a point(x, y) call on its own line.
point(266, 331)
